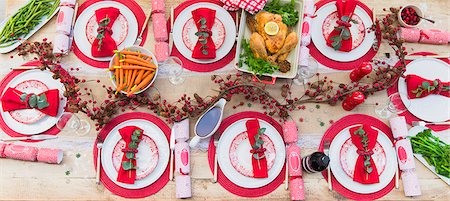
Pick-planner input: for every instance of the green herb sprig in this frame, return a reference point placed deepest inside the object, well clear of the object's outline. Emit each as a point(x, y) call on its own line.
point(433, 150)
point(35, 101)
point(365, 142)
point(344, 33)
point(203, 35)
point(426, 86)
point(258, 145)
point(101, 33)
point(258, 66)
point(131, 152)
point(287, 11)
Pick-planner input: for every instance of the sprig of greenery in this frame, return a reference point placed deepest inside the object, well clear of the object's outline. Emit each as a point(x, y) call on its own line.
point(258, 66)
point(258, 144)
point(344, 33)
point(203, 35)
point(35, 101)
point(365, 142)
point(101, 33)
point(287, 11)
point(433, 150)
point(130, 154)
point(426, 86)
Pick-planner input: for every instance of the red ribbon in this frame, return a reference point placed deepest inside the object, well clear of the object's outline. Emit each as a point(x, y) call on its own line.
point(108, 45)
point(11, 101)
point(260, 169)
point(360, 174)
point(414, 81)
point(210, 16)
point(344, 8)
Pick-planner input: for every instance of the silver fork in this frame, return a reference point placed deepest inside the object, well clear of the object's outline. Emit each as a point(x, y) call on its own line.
point(144, 26)
point(216, 142)
point(422, 123)
point(326, 150)
point(99, 149)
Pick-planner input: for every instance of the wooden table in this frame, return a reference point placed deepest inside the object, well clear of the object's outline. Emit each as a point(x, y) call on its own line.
point(74, 179)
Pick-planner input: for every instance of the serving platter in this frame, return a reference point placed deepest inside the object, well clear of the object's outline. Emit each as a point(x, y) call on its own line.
point(16, 44)
point(244, 34)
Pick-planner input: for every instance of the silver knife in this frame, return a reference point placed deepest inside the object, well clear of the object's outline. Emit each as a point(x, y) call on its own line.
point(171, 30)
point(72, 27)
point(172, 149)
point(33, 137)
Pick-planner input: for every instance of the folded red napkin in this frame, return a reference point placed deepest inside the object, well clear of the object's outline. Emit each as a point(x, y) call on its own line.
point(259, 166)
point(419, 87)
point(204, 20)
point(345, 9)
point(364, 138)
point(47, 102)
point(104, 45)
point(128, 176)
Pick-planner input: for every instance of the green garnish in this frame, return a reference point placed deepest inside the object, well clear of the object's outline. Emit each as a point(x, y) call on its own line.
point(287, 11)
point(433, 150)
point(258, 66)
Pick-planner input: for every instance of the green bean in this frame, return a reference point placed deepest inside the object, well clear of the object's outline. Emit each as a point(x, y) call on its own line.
point(55, 6)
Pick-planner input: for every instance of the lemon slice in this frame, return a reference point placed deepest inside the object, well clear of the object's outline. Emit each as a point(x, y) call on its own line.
point(271, 28)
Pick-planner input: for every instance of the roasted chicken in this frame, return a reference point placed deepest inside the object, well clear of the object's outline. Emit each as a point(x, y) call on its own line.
point(276, 47)
point(276, 42)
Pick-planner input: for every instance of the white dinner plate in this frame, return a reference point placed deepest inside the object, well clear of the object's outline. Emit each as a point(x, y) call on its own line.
point(432, 108)
point(80, 28)
point(321, 44)
point(221, 14)
point(46, 122)
point(223, 157)
point(346, 181)
point(152, 131)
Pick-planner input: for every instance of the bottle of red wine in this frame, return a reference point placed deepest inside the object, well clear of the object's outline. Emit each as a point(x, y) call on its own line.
point(316, 162)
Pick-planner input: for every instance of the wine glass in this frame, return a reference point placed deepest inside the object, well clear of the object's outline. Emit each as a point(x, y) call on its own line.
point(70, 122)
point(173, 66)
point(394, 105)
point(306, 72)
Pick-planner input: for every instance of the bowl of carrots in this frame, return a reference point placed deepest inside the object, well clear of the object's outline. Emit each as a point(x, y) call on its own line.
point(133, 70)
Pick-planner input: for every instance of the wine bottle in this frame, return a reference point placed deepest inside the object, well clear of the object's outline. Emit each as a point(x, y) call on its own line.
point(316, 162)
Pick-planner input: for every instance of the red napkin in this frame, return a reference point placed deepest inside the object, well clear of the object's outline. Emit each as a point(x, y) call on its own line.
point(127, 176)
point(209, 15)
point(414, 81)
point(360, 175)
point(11, 101)
point(344, 8)
point(106, 47)
point(259, 168)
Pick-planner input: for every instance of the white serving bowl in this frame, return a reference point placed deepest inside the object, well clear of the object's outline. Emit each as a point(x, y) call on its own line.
point(135, 48)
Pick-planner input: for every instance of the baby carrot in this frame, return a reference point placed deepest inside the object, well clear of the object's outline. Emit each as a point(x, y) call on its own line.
point(146, 73)
point(133, 77)
point(136, 58)
point(128, 67)
point(130, 52)
point(142, 85)
point(139, 76)
point(136, 62)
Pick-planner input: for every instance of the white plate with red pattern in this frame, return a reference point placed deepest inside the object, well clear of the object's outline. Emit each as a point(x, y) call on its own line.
point(29, 116)
point(146, 164)
point(234, 148)
point(239, 153)
point(343, 159)
point(152, 156)
point(323, 24)
point(223, 32)
point(32, 121)
point(125, 28)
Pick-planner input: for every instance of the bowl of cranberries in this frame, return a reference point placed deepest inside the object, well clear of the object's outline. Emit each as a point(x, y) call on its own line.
point(409, 16)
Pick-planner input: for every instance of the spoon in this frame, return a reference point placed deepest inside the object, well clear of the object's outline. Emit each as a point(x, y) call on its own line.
point(429, 20)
